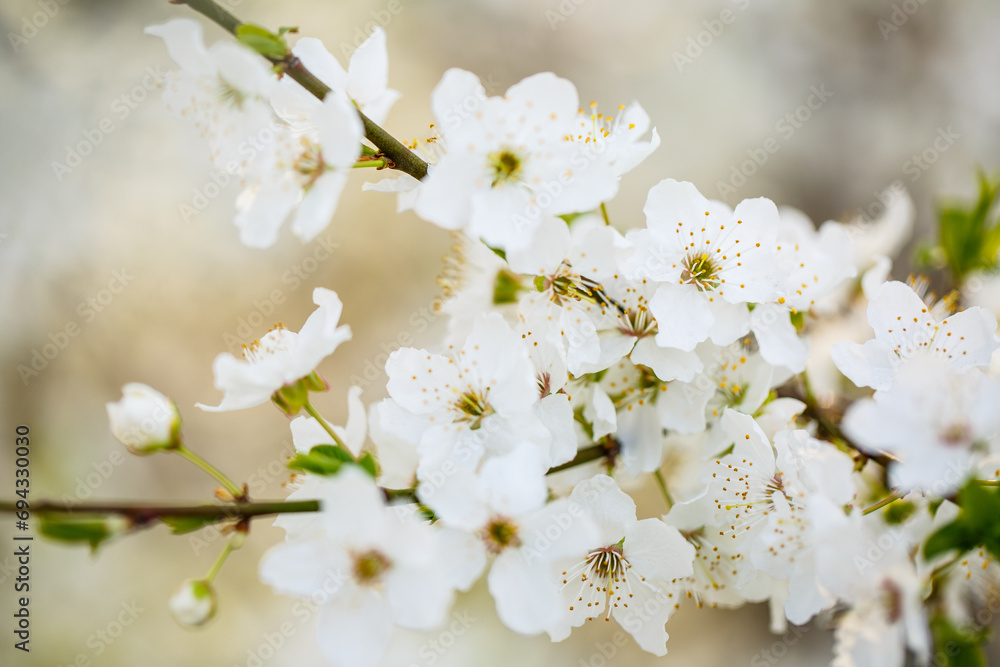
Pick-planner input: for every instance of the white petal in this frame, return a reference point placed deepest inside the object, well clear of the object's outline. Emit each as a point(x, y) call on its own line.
point(354, 628)
point(657, 551)
point(527, 599)
point(779, 342)
point(185, 44)
point(318, 205)
point(610, 508)
point(683, 316)
point(667, 362)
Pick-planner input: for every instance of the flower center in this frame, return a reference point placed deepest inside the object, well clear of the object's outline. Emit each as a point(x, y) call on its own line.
point(231, 95)
point(603, 571)
point(956, 434)
point(608, 564)
point(892, 601)
point(506, 166)
point(499, 534)
point(370, 566)
point(699, 270)
point(274, 342)
point(309, 163)
point(473, 408)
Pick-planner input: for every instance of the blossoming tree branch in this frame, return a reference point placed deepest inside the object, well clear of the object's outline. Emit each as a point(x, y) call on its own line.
point(709, 352)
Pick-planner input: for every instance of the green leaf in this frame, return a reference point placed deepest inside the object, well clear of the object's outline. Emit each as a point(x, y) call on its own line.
point(321, 460)
point(953, 536)
point(263, 41)
point(188, 524)
point(968, 237)
point(977, 523)
point(94, 530)
point(955, 648)
point(329, 459)
point(367, 461)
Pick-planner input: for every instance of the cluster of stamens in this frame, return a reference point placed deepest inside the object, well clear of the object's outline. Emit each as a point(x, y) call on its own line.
point(605, 570)
point(266, 346)
point(699, 270)
point(370, 566)
point(473, 408)
point(499, 534)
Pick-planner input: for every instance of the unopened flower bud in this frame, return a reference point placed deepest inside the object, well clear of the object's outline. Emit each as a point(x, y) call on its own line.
point(194, 603)
point(144, 420)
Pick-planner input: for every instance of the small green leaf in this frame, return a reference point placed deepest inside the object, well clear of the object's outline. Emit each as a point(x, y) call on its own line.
point(329, 459)
point(263, 41)
point(968, 237)
point(188, 524)
point(321, 460)
point(94, 530)
point(956, 648)
point(367, 461)
point(955, 536)
point(977, 523)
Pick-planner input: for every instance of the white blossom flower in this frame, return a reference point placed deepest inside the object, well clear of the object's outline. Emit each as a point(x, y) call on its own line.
point(510, 161)
point(934, 421)
point(733, 377)
point(617, 139)
point(281, 358)
point(504, 506)
point(366, 81)
point(711, 262)
point(375, 571)
point(223, 90)
point(625, 568)
point(881, 586)
point(905, 326)
point(761, 503)
point(457, 408)
point(144, 420)
point(300, 170)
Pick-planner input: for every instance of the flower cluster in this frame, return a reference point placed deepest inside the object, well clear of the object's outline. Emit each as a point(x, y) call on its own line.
point(581, 363)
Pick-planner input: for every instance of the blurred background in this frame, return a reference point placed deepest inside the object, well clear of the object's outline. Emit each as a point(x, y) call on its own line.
point(132, 247)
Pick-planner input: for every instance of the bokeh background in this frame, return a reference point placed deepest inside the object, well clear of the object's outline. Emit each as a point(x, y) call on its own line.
point(899, 73)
